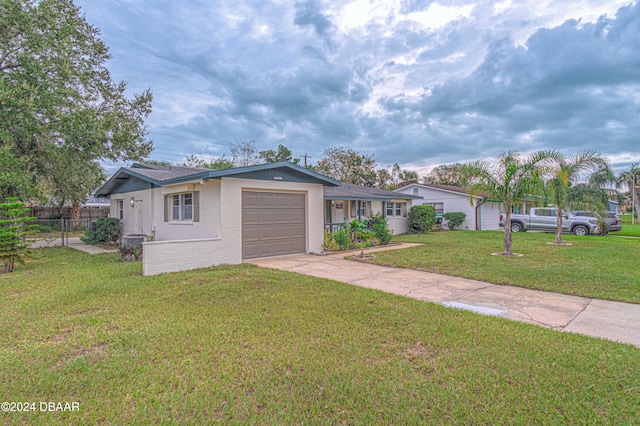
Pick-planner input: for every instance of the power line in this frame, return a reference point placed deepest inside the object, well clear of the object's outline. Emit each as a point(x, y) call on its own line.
point(184, 137)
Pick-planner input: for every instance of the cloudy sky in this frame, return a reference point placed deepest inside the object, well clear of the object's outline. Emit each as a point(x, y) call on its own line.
point(416, 82)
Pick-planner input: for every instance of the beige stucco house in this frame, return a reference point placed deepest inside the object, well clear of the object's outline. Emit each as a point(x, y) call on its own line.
point(350, 202)
point(202, 217)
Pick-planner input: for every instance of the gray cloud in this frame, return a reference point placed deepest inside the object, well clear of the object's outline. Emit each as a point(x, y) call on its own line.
point(306, 76)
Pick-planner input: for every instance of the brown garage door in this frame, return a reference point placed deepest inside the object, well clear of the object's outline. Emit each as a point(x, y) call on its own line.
point(272, 224)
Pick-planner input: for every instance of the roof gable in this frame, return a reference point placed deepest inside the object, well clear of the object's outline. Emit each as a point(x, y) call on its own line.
point(157, 176)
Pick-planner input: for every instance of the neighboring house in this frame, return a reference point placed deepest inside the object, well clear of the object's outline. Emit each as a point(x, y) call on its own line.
point(482, 214)
point(350, 202)
point(202, 217)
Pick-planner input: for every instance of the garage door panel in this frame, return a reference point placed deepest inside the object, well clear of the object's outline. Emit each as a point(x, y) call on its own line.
point(273, 224)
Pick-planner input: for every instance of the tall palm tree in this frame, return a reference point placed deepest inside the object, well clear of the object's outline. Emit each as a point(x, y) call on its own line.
point(509, 179)
point(567, 170)
point(631, 178)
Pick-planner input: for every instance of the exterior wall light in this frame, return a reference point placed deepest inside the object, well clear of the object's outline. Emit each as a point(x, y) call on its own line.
point(132, 201)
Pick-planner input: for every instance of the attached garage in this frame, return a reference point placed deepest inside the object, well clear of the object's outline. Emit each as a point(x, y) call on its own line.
point(201, 217)
point(273, 224)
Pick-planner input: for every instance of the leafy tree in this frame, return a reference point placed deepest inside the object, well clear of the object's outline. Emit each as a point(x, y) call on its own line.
point(509, 179)
point(382, 178)
point(15, 180)
point(631, 178)
point(244, 153)
point(348, 166)
point(157, 162)
point(421, 219)
point(14, 228)
point(566, 172)
point(194, 161)
point(282, 154)
point(71, 178)
point(392, 177)
point(216, 164)
point(56, 92)
point(408, 176)
point(220, 164)
point(446, 174)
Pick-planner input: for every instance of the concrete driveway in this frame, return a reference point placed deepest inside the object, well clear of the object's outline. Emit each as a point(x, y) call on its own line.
point(592, 317)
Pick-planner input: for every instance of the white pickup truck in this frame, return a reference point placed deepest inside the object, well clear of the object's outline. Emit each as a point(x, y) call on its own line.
point(544, 219)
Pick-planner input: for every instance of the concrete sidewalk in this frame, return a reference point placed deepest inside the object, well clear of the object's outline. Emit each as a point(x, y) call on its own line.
point(592, 317)
point(74, 243)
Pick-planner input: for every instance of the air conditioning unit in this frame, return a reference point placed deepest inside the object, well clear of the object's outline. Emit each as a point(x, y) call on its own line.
point(135, 238)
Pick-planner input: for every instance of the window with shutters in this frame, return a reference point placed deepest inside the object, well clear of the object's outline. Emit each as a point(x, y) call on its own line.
point(396, 209)
point(182, 207)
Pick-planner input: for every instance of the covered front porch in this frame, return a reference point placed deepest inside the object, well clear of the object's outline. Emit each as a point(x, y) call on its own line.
point(348, 202)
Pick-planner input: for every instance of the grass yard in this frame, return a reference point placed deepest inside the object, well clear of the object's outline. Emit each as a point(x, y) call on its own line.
point(245, 345)
point(627, 228)
point(599, 267)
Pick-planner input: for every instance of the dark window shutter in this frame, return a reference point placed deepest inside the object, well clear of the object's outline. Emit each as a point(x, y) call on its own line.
point(166, 208)
point(196, 206)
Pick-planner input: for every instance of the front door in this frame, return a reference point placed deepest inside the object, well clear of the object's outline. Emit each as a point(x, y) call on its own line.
point(138, 228)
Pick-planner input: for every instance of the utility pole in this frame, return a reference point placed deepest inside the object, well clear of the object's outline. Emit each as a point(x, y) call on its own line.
point(305, 159)
point(633, 204)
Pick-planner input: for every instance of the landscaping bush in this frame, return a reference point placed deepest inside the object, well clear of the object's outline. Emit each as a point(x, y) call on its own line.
point(129, 252)
point(107, 231)
point(422, 219)
point(342, 239)
point(455, 219)
point(339, 240)
point(380, 228)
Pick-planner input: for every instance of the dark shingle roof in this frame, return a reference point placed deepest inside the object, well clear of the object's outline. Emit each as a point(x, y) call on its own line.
point(163, 173)
point(348, 191)
point(159, 176)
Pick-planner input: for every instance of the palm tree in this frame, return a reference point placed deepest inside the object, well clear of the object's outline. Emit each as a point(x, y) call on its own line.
point(509, 179)
point(630, 178)
point(566, 172)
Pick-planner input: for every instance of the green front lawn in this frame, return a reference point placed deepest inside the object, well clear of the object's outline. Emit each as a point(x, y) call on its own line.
point(599, 267)
point(627, 228)
point(243, 345)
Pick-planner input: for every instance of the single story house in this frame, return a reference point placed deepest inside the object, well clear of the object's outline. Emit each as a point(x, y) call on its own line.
point(350, 202)
point(482, 213)
point(202, 217)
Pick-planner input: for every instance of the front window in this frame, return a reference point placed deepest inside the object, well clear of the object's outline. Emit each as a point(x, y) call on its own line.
point(120, 205)
point(396, 209)
point(438, 206)
point(182, 206)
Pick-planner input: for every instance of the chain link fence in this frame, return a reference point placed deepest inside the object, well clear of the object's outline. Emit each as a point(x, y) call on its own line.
point(63, 228)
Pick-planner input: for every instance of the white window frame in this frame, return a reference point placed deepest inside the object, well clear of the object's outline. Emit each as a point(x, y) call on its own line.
point(181, 205)
point(435, 206)
point(397, 209)
point(120, 209)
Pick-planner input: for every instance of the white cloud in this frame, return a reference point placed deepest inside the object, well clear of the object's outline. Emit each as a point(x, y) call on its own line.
point(438, 16)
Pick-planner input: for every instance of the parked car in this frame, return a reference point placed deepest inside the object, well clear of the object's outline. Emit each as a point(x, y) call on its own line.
point(613, 221)
point(544, 219)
